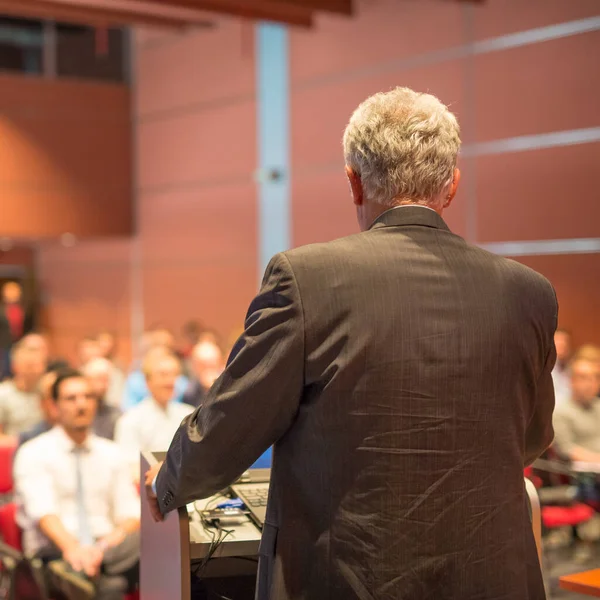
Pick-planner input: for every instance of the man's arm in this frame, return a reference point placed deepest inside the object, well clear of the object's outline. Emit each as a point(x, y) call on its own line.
point(540, 433)
point(251, 405)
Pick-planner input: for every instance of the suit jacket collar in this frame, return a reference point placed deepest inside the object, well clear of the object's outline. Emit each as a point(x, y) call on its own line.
point(410, 215)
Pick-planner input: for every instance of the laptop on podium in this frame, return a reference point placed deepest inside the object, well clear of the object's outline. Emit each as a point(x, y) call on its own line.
point(252, 488)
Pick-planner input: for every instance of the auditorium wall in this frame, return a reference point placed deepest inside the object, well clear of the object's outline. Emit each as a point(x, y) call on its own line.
point(520, 76)
point(193, 254)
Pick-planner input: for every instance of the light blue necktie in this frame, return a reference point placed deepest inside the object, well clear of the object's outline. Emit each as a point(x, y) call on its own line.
point(85, 535)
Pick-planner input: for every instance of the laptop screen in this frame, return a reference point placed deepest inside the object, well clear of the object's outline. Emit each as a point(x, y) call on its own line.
point(264, 461)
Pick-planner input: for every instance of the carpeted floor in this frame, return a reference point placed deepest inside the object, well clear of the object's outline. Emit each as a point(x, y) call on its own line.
point(565, 558)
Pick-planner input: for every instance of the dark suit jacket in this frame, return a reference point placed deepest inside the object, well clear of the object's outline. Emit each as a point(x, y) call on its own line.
point(404, 378)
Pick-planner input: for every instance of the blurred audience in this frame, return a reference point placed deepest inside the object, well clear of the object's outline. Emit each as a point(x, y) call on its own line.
point(151, 424)
point(190, 332)
point(76, 503)
point(206, 364)
point(38, 343)
point(88, 348)
point(20, 408)
point(577, 420)
point(47, 407)
point(136, 389)
point(15, 321)
point(98, 372)
point(560, 373)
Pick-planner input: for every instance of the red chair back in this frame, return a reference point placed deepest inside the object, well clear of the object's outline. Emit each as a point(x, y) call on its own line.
point(7, 453)
point(9, 530)
point(562, 516)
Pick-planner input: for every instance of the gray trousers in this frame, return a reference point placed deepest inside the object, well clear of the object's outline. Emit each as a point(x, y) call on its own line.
point(119, 572)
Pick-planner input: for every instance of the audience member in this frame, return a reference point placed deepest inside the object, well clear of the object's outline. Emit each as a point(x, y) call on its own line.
point(190, 332)
point(15, 321)
point(152, 423)
point(107, 344)
point(47, 407)
point(38, 343)
point(76, 501)
point(589, 352)
point(577, 421)
point(207, 363)
point(98, 373)
point(20, 406)
point(88, 348)
point(136, 389)
point(560, 373)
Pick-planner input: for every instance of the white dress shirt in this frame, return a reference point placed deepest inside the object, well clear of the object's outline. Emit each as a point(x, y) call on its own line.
point(149, 427)
point(19, 411)
point(46, 484)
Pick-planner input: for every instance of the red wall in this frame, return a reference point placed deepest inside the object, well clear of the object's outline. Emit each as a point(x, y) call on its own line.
point(532, 89)
point(195, 129)
point(194, 254)
point(65, 151)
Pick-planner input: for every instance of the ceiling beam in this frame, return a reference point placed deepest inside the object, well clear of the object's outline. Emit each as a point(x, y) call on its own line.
point(342, 7)
point(294, 13)
point(94, 15)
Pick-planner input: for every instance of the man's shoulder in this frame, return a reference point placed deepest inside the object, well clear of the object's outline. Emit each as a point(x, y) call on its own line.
point(41, 446)
point(182, 409)
point(108, 448)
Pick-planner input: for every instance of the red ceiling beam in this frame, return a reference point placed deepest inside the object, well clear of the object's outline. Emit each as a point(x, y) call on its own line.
point(294, 13)
point(94, 15)
point(342, 7)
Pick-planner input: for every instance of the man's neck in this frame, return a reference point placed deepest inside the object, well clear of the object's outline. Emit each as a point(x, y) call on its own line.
point(24, 385)
point(78, 436)
point(161, 405)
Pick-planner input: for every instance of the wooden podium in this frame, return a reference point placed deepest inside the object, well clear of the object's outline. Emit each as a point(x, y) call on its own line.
point(170, 551)
point(165, 548)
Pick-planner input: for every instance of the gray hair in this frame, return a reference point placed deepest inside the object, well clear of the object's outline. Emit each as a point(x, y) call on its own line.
point(403, 145)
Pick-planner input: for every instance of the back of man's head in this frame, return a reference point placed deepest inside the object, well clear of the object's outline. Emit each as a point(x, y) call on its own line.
point(403, 145)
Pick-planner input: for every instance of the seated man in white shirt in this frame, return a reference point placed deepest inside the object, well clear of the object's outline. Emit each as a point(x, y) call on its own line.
point(20, 407)
point(75, 498)
point(577, 421)
point(151, 424)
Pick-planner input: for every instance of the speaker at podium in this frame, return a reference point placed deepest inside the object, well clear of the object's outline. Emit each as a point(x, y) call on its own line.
point(205, 551)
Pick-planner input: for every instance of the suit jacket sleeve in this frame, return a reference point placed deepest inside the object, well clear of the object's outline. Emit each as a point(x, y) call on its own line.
point(251, 405)
point(540, 433)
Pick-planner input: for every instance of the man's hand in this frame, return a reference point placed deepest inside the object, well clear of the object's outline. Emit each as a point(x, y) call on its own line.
point(150, 495)
point(114, 538)
point(86, 559)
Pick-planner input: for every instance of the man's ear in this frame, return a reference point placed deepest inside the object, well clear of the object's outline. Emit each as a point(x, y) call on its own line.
point(356, 186)
point(453, 188)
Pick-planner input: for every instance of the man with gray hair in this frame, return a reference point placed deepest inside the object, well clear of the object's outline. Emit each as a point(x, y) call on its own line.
point(404, 379)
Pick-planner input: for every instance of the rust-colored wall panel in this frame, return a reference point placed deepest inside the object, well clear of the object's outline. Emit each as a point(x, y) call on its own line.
point(381, 32)
point(86, 288)
point(196, 140)
point(66, 160)
point(500, 17)
point(182, 72)
point(208, 146)
point(540, 194)
point(577, 286)
point(214, 225)
point(537, 88)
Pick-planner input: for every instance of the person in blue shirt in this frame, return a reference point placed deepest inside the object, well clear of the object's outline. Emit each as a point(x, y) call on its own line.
point(136, 390)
